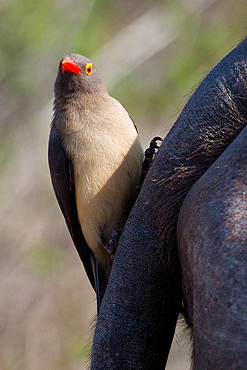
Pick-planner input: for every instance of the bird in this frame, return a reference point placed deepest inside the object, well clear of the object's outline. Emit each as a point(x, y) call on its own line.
point(95, 159)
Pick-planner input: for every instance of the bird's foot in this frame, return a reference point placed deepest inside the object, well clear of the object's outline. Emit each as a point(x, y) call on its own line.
point(149, 155)
point(113, 243)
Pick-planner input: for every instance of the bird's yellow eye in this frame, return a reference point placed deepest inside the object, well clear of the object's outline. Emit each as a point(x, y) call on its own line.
point(89, 69)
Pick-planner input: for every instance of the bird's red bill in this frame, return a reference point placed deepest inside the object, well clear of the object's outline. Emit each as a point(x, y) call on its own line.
point(69, 65)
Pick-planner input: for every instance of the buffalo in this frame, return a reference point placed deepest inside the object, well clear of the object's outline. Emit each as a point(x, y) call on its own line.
point(183, 248)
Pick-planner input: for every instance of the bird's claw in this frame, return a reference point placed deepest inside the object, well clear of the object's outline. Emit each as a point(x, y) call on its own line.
point(113, 243)
point(150, 154)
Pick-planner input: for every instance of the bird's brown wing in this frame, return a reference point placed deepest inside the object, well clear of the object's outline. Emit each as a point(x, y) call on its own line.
point(61, 170)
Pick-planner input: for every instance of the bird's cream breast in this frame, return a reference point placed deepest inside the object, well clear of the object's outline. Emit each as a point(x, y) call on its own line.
point(107, 158)
point(98, 144)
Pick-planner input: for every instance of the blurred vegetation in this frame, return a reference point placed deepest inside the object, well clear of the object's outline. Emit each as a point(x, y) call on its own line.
point(151, 56)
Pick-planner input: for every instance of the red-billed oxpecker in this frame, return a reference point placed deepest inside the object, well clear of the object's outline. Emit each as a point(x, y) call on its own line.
point(95, 160)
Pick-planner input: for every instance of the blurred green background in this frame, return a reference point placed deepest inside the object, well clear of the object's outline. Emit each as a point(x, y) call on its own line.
point(151, 55)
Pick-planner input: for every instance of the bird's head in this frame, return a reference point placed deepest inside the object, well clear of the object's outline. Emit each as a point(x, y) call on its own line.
point(77, 75)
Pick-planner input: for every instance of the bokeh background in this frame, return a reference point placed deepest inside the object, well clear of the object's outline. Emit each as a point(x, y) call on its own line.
point(151, 55)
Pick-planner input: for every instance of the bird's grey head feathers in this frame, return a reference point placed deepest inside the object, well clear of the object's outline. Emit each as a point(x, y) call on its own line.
point(81, 79)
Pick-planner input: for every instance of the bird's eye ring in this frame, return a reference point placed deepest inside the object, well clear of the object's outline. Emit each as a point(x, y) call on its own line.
point(89, 68)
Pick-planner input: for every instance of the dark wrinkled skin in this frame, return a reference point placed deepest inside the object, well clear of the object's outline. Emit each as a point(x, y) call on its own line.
point(212, 240)
point(139, 311)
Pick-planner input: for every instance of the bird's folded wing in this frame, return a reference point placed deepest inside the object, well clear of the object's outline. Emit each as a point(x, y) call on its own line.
point(61, 170)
